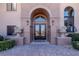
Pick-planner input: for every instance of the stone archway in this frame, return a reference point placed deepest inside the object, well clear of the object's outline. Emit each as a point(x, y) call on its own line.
point(39, 25)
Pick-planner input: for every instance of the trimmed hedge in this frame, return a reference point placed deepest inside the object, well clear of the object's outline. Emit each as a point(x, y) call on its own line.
point(6, 44)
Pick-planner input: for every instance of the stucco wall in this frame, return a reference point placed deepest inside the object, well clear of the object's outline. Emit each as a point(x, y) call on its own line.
point(23, 13)
point(9, 18)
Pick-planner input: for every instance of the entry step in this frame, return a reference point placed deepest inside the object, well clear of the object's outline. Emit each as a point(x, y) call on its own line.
point(39, 42)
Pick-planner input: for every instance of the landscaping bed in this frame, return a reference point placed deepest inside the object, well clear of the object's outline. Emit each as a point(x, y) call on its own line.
point(6, 43)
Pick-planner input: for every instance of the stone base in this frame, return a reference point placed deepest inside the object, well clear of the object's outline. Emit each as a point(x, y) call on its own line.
point(26, 41)
point(53, 41)
point(19, 41)
point(64, 40)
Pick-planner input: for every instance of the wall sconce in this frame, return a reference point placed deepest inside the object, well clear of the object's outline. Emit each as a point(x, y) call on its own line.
point(27, 22)
point(52, 22)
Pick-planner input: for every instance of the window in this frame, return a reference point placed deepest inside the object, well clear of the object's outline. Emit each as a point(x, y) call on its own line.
point(10, 30)
point(39, 19)
point(69, 19)
point(11, 7)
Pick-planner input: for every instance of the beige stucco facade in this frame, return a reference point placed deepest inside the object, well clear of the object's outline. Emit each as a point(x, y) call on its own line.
point(23, 14)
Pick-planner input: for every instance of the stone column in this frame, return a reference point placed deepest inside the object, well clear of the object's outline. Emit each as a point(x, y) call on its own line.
point(27, 39)
point(53, 31)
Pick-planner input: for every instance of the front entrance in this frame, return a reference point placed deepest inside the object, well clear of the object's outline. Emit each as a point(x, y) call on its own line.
point(39, 25)
point(39, 31)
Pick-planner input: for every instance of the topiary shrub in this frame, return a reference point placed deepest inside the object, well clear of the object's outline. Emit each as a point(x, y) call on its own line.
point(6, 44)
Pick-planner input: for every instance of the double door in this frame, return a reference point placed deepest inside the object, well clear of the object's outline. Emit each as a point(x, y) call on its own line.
point(40, 31)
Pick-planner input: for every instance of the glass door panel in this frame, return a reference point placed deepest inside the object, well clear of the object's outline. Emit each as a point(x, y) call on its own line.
point(37, 30)
point(43, 30)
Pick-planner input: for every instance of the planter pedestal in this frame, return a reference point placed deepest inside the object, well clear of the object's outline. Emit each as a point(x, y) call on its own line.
point(19, 41)
point(63, 40)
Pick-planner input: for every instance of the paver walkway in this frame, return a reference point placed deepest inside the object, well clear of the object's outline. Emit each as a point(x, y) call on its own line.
point(40, 50)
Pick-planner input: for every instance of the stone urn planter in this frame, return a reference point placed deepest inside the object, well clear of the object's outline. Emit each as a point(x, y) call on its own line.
point(19, 37)
point(63, 31)
point(62, 39)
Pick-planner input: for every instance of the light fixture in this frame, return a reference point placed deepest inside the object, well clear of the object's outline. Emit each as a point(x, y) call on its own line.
point(27, 22)
point(52, 22)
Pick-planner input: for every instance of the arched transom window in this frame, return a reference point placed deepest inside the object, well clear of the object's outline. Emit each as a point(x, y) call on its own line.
point(39, 19)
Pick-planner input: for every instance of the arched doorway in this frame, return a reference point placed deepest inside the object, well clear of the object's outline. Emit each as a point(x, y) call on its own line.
point(39, 25)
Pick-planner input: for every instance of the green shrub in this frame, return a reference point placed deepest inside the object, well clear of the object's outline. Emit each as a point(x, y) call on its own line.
point(75, 40)
point(6, 44)
point(75, 37)
point(75, 44)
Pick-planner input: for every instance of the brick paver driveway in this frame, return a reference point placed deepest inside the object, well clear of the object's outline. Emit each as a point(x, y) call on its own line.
point(40, 50)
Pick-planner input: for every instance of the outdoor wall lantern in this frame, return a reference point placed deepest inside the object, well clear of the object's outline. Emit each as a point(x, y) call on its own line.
point(27, 22)
point(52, 22)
